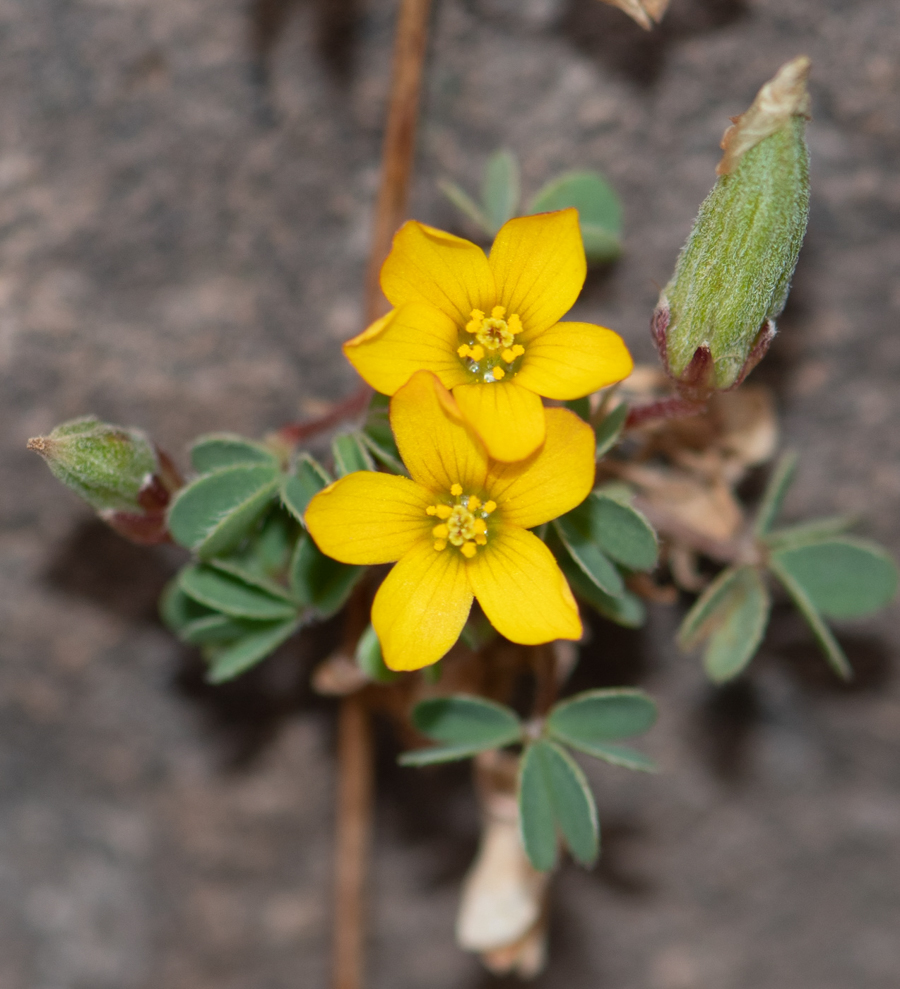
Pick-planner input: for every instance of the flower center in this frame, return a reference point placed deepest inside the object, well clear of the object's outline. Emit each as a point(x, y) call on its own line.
point(488, 348)
point(463, 522)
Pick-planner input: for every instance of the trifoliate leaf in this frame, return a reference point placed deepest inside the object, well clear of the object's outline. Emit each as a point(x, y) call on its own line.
point(738, 626)
point(500, 189)
point(229, 661)
point(465, 725)
point(298, 488)
point(350, 454)
point(775, 492)
point(599, 211)
point(576, 534)
point(320, 582)
point(597, 716)
point(627, 610)
point(232, 596)
point(623, 533)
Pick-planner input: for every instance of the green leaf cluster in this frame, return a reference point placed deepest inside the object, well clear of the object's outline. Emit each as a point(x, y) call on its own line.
point(599, 209)
point(555, 800)
point(826, 574)
point(596, 545)
point(257, 576)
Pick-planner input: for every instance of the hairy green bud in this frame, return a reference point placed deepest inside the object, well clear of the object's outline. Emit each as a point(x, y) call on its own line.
point(117, 471)
point(715, 319)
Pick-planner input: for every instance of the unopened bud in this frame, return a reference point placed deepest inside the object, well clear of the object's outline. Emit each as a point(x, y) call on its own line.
point(117, 471)
point(715, 319)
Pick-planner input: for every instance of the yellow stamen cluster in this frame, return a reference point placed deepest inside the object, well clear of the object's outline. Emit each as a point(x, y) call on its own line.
point(491, 337)
point(463, 524)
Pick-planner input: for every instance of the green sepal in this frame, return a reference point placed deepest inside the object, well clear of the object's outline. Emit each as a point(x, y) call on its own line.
point(465, 725)
point(215, 451)
point(350, 454)
point(320, 582)
point(230, 595)
point(370, 660)
point(229, 661)
point(843, 578)
point(213, 514)
point(300, 486)
point(553, 793)
point(599, 211)
point(609, 429)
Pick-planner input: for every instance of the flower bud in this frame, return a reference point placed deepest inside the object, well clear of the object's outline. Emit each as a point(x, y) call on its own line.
point(117, 471)
point(715, 319)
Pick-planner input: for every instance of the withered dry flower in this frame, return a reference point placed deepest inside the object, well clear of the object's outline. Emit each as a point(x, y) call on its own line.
point(784, 96)
point(645, 12)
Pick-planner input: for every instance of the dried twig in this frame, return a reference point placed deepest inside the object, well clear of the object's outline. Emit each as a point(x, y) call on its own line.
point(354, 812)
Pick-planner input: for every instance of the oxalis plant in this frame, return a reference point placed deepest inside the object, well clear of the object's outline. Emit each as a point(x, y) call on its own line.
point(504, 472)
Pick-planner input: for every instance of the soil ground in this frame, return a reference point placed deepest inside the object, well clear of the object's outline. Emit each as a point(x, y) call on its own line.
point(185, 196)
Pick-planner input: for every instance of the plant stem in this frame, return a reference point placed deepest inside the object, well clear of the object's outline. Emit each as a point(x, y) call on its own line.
point(355, 749)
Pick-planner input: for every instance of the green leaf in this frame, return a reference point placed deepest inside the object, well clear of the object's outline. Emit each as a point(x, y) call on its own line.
point(350, 454)
point(298, 488)
point(620, 755)
point(697, 622)
point(218, 629)
point(627, 610)
point(843, 578)
point(575, 532)
point(581, 407)
point(609, 429)
point(464, 720)
point(318, 581)
point(247, 577)
point(622, 533)
point(829, 645)
point(537, 822)
point(370, 660)
point(500, 189)
point(551, 780)
point(598, 716)
point(231, 596)
point(466, 205)
point(270, 551)
point(813, 531)
point(776, 490)
point(227, 662)
point(212, 514)
point(599, 211)
point(177, 610)
point(217, 450)
point(738, 625)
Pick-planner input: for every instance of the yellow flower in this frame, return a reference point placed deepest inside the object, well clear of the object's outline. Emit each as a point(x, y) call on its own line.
point(489, 327)
point(458, 528)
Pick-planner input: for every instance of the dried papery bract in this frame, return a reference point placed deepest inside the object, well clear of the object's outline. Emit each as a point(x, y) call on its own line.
point(715, 319)
point(645, 12)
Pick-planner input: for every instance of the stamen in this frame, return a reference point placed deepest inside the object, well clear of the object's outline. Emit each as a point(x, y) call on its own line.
point(498, 312)
point(481, 540)
point(463, 350)
point(518, 349)
point(508, 356)
point(489, 506)
point(431, 510)
point(499, 373)
point(440, 544)
point(474, 503)
point(456, 490)
point(476, 318)
point(468, 550)
point(440, 531)
point(514, 324)
point(443, 511)
point(476, 352)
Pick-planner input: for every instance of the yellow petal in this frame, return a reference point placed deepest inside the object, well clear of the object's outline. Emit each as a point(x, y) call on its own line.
point(408, 339)
point(539, 268)
point(437, 445)
point(509, 418)
point(421, 607)
point(569, 360)
point(552, 481)
point(369, 518)
point(522, 590)
point(447, 272)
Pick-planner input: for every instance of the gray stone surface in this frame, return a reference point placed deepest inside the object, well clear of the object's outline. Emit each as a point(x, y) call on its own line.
point(185, 192)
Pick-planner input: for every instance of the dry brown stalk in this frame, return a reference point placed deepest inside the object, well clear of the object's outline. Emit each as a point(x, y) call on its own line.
point(355, 772)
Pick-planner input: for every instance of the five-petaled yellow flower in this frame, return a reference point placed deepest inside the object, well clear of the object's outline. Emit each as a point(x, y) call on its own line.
point(489, 327)
point(458, 528)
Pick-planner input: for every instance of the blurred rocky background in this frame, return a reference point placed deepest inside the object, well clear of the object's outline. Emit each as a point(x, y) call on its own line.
point(185, 198)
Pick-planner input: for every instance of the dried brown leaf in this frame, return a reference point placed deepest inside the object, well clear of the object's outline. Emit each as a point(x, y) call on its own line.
point(784, 96)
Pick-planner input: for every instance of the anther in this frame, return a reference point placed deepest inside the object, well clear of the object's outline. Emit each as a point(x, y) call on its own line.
point(508, 356)
point(498, 312)
point(468, 550)
point(518, 349)
point(499, 373)
point(440, 544)
point(443, 511)
point(440, 531)
point(474, 503)
point(489, 506)
point(455, 490)
point(431, 510)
